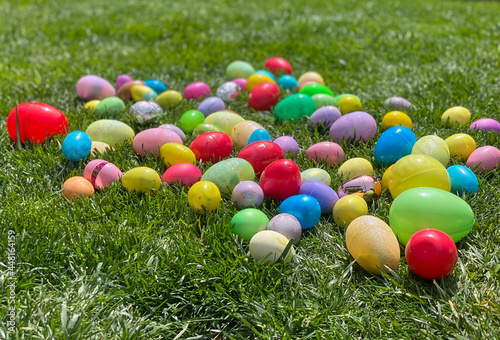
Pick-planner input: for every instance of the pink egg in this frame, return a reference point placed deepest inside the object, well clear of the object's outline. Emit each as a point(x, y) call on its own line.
point(326, 152)
point(186, 174)
point(101, 173)
point(485, 158)
point(151, 140)
point(486, 124)
point(196, 90)
point(353, 126)
point(242, 82)
point(93, 87)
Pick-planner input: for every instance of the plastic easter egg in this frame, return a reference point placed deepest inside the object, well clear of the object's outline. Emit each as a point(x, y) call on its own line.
point(225, 120)
point(248, 222)
point(212, 146)
point(315, 174)
point(355, 167)
point(256, 79)
point(196, 90)
point(315, 88)
point(122, 79)
point(456, 115)
point(348, 208)
point(372, 244)
point(242, 131)
point(239, 69)
point(305, 208)
point(394, 143)
point(326, 152)
point(111, 132)
point(91, 105)
point(259, 135)
point(98, 147)
point(174, 129)
point(364, 186)
point(210, 105)
point(92, 87)
point(461, 145)
point(278, 65)
point(203, 197)
point(77, 186)
point(142, 92)
point(175, 153)
point(396, 118)
point(185, 174)
point(340, 96)
point(433, 146)
point(169, 99)
point(37, 121)
point(294, 107)
point(247, 194)
point(386, 177)
point(354, 126)
point(311, 76)
point(397, 103)
point(203, 128)
point(288, 145)
point(151, 140)
point(242, 83)
point(145, 110)
point(268, 246)
point(323, 193)
point(228, 173)
point(418, 171)
point(156, 85)
point(288, 82)
point(125, 91)
point(349, 104)
point(110, 107)
point(306, 83)
point(264, 96)
point(486, 124)
point(228, 91)
point(425, 207)
point(101, 173)
point(321, 99)
point(280, 179)
point(76, 146)
point(190, 119)
point(431, 254)
point(484, 159)
point(325, 116)
point(462, 180)
point(287, 225)
point(141, 179)
point(267, 73)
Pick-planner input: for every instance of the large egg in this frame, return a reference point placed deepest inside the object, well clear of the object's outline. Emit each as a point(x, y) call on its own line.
point(264, 96)
point(433, 146)
point(151, 140)
point(421, 208)
point(324, 194)
point(394, 143)
point(77, 186)
point(354, 126)
point(101, 173)
point(93, 87)
point(355, 167)
point(142, 179)
point(228, 173)
point(456, 115)
point(326, 116)
point(242, 131)
point(248, 222)
point(210, 105)
point(280, 179)
point(268, 246)
point(225, 120)
point(484, 159)
point(203, 197)
point(174, 153)
point(294, 107)
point(461, 145)
point(111, 132)
point(326, 152)
point(486, 124)
point(261, 154)
point(287, 225)
point(372, 244)
point(305, 208)
point(212, 146)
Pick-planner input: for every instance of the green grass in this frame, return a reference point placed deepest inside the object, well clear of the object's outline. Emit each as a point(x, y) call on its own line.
point(131, 266)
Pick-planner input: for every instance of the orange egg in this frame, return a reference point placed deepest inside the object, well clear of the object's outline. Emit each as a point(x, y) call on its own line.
point(77, 186)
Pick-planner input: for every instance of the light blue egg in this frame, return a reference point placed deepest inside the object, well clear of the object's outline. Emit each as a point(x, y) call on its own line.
point(76, 146)
point(210, 105)
point(267, 73)
point(288, 82)
point(156, 85)
point(462, 179)
point(305, 208)
point(395, 143)
point(258, 135)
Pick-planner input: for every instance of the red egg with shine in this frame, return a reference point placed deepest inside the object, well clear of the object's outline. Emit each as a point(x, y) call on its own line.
point(278, 65)
point(186, 174)
point(37, 121)
point(264, 96)
point(212, 146)
point(431, 254)
point(260, 154)
point(280, 179)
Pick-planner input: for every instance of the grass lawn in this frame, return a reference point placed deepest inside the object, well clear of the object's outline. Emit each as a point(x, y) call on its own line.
point(131, 266)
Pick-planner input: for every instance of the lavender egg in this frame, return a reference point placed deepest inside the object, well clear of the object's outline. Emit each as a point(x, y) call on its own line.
point(287, 144)
point(247, 194)
point(145, 110)
point(324, 194)
point(325, 116)
point(287, 225)
point(122, 79)
point(354, 126)
point(211, 105)
point(486, 124)
point(174, 128)
point(397, 103)
point(228, 91)
point(151, 140)
point(93, 87)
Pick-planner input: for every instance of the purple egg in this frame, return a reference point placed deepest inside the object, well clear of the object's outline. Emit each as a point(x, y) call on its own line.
point(354, 126)
point(247, 194)
point(484, 159)
point(196, 90)
point(287, 225)
point(174, 128)
point(486, 124)
point(325, 115)
point(122, 79)
point(151, 140)
point(211, 105)
point(93, 87)
point(287, 144)
point(324, 194)
point(242, 82)
point(397, 103)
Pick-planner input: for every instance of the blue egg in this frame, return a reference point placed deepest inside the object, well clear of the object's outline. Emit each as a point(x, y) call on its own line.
point(462, 179)
point(210, 105)
point(258, 135)
point(267, 73)
point(76, 146)
point(395, 143)
point(305, 208)
point(288, 82)
point(156, 85)
point(323, 193)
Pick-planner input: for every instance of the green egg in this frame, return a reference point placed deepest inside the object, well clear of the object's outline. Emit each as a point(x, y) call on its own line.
point(321, 99)
point(202, 128)
point(189, 120)
point(315, 88)
point(110, 131)
point(228, 173)
point(294, 107)
point(248, 222)
point(110, 107)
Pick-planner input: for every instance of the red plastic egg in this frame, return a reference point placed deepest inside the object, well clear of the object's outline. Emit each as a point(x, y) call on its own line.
point(280, 179)
point(212, 146)
point(186, 174)
point(264, 96)
point(37, 121)
point(278, 65)
point(260, 154)
point(431, 254)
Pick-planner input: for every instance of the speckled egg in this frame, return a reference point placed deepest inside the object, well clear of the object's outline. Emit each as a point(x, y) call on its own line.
point(247, 194)
point(287, 225)
point(316, 174)
point(145, 110)
point(433, 146)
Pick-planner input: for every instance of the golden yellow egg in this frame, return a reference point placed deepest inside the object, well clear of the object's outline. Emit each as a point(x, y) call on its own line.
point(461, 145)
point(396, 118)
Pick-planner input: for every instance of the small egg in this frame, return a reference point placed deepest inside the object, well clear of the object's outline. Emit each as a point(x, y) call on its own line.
point(142, 179)
point(91, 105)
point(186, 174)
point(248, 222)
point(287, 225)
point(461, 145)
point(349, 104)
point(77, 186)
point(169, 99)
point(203, 197)
point(247, 194)
point(268, 246)
point(348, 208)
point(462, 179)
point(311, 76)
point(396, 118)
point(456, 115)
point(76, 146)
point(175, 153)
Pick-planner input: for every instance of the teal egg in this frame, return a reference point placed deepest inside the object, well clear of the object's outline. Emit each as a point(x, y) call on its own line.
point(294, 107)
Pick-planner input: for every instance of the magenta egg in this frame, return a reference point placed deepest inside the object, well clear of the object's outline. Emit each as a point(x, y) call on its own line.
point(486, 124)
point(101, 173)
point(287, 225)
point(92, 87)
point(287, 144)
point(151, 140)
point(122, 79)
point(196, 90)
point(326, 152)
point(484, 159)
point(326, 116)
point(247, 194)
point(185, 174)
point(354, 126)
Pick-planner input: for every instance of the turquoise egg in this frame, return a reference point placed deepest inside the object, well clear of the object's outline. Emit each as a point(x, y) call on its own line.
point(462, 179)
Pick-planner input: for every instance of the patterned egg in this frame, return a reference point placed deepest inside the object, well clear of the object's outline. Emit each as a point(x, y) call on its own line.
point(92, 87)
point(364, 186)
point(433, 146)
point(145, 110)
point(101, 173)
point(228, 91)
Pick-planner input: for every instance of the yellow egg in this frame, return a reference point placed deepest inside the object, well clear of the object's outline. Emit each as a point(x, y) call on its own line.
point(396, 118)
point(204, 196)
point(98, 147)
point(457, 114)
point(433, 146)
point(348, 208)
point(268, 246)
point(77, 186)
point(373, 244)
point(311, 76)
point(225, 120)
point(256, 79)
point(387, 177)
point(91, 105)
point(175, 153)
point(169, 99)
point(315, 174)
point(242, 131)
point(355, 167)
point(142, 179)
point(461, 145)
point(142, 92)
point(349, 104)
